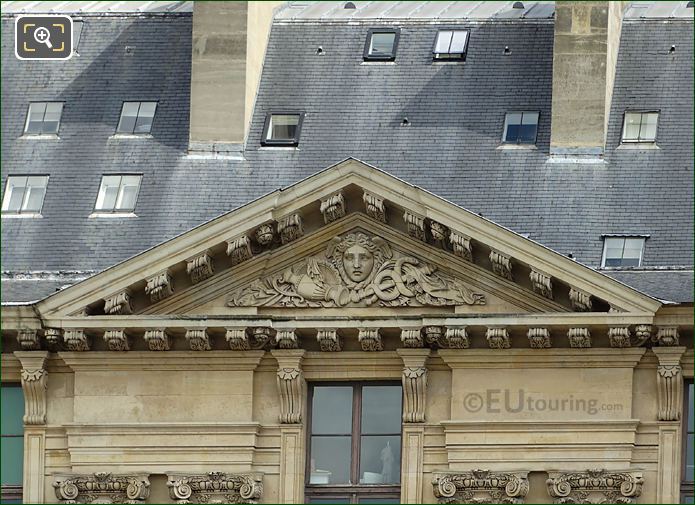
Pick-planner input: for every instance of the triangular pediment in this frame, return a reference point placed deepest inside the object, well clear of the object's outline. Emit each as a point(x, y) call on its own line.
point(283, 241)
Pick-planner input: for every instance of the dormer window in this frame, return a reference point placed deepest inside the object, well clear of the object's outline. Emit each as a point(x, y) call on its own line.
point(520, 127)
point(43, 118)
point(136, 118)
point(640, 126)
point(282, 129)
point(450, 45)
point(623, 251)
point(381, 44)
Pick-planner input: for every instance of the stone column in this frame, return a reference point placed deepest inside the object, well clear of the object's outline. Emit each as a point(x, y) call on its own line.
point(669, 384)
point(414, 403)
point(292, 392)
point(34, 385)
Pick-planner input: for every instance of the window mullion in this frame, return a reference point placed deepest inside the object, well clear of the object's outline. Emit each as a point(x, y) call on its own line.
point(356, 436)
point(43, 119)
point(137, 116)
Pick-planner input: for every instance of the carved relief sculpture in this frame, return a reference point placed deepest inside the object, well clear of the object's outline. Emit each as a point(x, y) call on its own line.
point(667, 335)
point(580, 301)
point(102, 487)
point(118, 304)
point(290, 228)
point(215, 487)
point(358, 270)
point(541, 283)
point(370, 339)
point(414, 388)
point(462, 245)
point(457, 338)
point(333, 207)
point(480, 486)
point(28, 340)
point(158, 340)
point(433, 335)
point(160, 286)
point(643, 332)
point(498, 338)
point(76, 340)
point(244, 339)
point(579, 337)
point(239, 249)
point(264, 234)
point(595, 486)
point(439, 233)
point(198, 339)
point(619, 337)
point(200, 267)
point(539, 338)
point(54, 338)
point(261, 336)
point(415, 225)
point(116, 340)
point(412, 337)
point(329, 340)
point(34, 387)
point(374, 206)
point(669, 382)
point(291, 385)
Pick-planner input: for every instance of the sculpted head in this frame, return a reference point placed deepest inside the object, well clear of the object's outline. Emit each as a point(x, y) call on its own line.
point(357, 257)
point(358, 262)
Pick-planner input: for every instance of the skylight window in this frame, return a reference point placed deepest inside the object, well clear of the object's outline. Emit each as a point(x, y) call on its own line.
point(136, 118)
point(640, 126)
point(282, 129)
point(24, 194)
point(622, 251)
point(450, 45)
point(381, 44)
point(43, 118)
point(520, 127)
point(118, 193)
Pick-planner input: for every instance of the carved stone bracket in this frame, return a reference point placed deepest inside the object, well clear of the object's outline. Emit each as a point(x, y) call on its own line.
point(290, 228)
point(370, 339)
point(262, 336)
point(333, 207)
point(541, 283)
point(619, 337)
point(643, 332)
point(539, 338)
point(291, 384)
point(28, 340)
point(498, 338)
point(667, 336)
point(462, 245)
point(116, 340)
point(439, 232)
point(329, 340)
point(580, 300)
point(118, 304)
point(374, 206)
point(160, 286)
point(414, 381)
point(434, 336)
point(412, 337)
point(54, 338)
point(215, 487)
point(239, 249)
point(238, 339)
point(595, 486)
point(34, 384)
point(669, 382)
point(158, 340)
point(287, 339)
point(200, 267)
point(76, 340)
point(457, 338)
point(501, 264)
point(415, 225)
point(198, 339)
point(480, 486)
point(102, 487)
point(579, 337)
point(265, 234)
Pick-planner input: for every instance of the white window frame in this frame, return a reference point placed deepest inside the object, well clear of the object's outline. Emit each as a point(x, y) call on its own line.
point(133, 133)
point(25, 197)
point(116, 211)
point(639, 140)
point(43, 120)
point(448, 55)
point(624, 238)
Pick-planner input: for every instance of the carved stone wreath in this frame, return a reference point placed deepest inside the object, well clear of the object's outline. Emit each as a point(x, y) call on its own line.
point(481, 486)
point(357, 270)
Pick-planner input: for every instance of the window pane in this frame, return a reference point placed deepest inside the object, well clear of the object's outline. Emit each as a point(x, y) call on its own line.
point(145, 117)
point(34, 199)
point(458, 43)
point(331, 410)
point(330, 460)
point(382, 44)
point(381, 409)
point(632, 126)
point(689, 456)
point(128, 117)
point(648, 131)
point(283, 127)
point(691, 405)
point(35, 117)
point(443, 41)
point(527, 131)
point(633, 248)
point(380, 459)
point(127, 197)
point(14, 194)
point(12, 410)
point(12, 459)
point(513, 122)
point(108, 192)
point(76, 34)
point(51, 121)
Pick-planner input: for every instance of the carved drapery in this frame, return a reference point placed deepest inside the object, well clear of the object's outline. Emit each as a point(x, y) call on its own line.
point(414, 381)
point(667, 335)
point(595, 486)
point(329, 340)
point(580, 300)
point(619, 337)
point(158, 340)
point(501, 264)
point(239, 249)
point(198, 339)
point(579, 337)
point(200, 267)
point(160, 286)
point(370, 339)
point(34, 384)
point(539, 338)
point(291, 384)
point(457, 338)
point(498, 338)
point(374, 206)
point(480, 486)
point(118, 304)
point(461, 245)
point(415, 225)
point(28, 339)
point(669, 383)
point(116, 340)
point(333, 207)
point(102, 487)
point(76, 340)
point(541, 283)
point(215, 487)
point(290, 228)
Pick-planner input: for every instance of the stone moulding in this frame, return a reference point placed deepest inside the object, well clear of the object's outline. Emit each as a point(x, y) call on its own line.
point(160, 286)
point(28, 340)
point(541, 283)
point(102, 487)
point(333, 207)
point(595, 486)
point(239, 249)
point(200, 267)
point(215, 487)
point(415, 225)
point(462, 245)
point(370, 339)
point(501, 264)
point(290, 228)
point(118, 304)
point(374, 206)
point(480, 486)
point(329, 340)
point(158, 340)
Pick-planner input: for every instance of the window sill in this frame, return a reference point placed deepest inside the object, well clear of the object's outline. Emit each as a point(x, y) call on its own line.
point(278, 148)
point(517, 147)
point(639, 146)
point(32, 136)
point(21, 215)
point(378, 62)
point(142, 136)
point(97, 215)
point(452, 61)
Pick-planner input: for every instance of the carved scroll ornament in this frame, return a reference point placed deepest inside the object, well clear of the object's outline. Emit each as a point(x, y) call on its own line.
point(215, 487)
point(102, 487)
point(595, 486)
point(357, 270)
point(481, 486)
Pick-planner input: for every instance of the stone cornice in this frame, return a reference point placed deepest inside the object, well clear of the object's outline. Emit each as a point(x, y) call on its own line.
point(543, 358)
point(170, 360)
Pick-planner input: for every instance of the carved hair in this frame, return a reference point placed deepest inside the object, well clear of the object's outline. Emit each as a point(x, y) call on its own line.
point(375, 245)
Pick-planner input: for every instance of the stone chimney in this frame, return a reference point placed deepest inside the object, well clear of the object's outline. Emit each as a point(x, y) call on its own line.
point(229, 42)
point(587, 36)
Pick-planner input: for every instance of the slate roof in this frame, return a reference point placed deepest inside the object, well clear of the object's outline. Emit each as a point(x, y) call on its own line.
point(353, 109)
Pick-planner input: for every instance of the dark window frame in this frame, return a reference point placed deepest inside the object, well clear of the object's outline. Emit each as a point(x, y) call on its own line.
point(624, 238)
point(505, 126)
point(139, 102)
point(352, 492)
point(623, 140)
point(117, 210)
point(43, 120)
point(385, 57)
point(20, 211)
point(294, 142)
point(449, 56)
point(12, 491)
point(687, 488)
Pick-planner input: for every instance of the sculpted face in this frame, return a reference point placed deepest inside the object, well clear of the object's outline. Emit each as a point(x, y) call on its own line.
point(358, 263)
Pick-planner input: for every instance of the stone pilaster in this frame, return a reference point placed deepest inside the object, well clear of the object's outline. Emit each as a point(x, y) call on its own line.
point(291, 384)
point(669, 382)
point(414, 384)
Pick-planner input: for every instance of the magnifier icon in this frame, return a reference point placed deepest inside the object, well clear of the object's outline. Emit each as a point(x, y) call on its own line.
point(43, 36)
